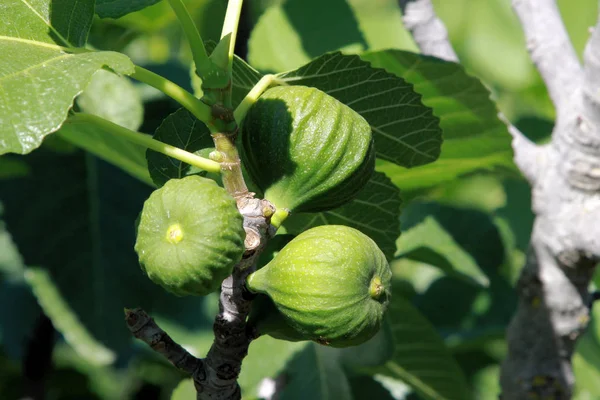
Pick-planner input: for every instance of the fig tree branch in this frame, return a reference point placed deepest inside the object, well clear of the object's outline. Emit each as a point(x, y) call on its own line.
point(553, 309)
point(430, 34)
point(427, 29)
point(145, 329)
point(550, 49)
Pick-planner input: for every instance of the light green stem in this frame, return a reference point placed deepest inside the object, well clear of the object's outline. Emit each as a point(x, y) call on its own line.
point(280, 215)
point(177, 93)
point(258, 89)
point(203, 64)
point(230, 26)
point(146, 141)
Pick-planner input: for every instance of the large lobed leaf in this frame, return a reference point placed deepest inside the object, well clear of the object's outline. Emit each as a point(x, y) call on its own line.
point(40, 78)
point(405, 131)
point(420, 357)
point(375, 212)
point(428, 242)
point(474, 136)
point(118, 8)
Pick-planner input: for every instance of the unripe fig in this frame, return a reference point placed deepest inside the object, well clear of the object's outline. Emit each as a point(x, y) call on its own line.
point(190, 235)
point(331, 284)
point(306, 150)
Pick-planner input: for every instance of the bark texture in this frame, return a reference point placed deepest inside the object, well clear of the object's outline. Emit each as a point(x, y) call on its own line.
point(553, 309)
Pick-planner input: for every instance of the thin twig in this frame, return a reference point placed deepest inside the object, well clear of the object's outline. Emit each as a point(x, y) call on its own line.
point(144, 328)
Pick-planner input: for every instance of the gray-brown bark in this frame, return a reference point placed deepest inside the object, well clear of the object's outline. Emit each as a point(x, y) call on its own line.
point(565, 177)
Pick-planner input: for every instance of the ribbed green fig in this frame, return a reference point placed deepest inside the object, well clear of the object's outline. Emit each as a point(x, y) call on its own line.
point(306, 150)
point(190, 235)
point(331, 284)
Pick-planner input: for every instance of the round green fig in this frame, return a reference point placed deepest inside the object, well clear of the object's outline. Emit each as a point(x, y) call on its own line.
point(331, 284)
point(190, 235)
point(306, 150)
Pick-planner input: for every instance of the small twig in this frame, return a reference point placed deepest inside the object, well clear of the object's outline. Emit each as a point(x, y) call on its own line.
point(528, 156)
point(550, 49)
point(427, 29)
point(144, 328)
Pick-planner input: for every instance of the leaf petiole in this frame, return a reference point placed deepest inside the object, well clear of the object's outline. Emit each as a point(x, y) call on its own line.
point(230, 26)
point(203, 63)
point(148, 142)
point(177, 93)
point(258, 89)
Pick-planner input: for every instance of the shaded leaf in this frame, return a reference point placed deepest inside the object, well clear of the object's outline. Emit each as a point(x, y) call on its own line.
point(366, 388)
point(474, 137)
point(118, 8)
point(375, 212)
point(315, 373)
point(114, 98)
point(372, 353)
point(180, 129)
point(12, 168)
point(420, 357)
point(64, 320)
point(429, 243)
point(128, 156)
point(267, 357)
point(75, 218)
point(405, 131)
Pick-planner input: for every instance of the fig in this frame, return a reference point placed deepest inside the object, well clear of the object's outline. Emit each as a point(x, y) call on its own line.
point(331, 284)
point(190, 235)
point(306, 150)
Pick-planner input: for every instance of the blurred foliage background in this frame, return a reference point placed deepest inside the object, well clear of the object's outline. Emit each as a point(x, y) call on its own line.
point(464, 240)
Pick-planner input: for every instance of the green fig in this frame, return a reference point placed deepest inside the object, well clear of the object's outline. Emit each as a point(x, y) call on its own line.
point(331, 284)
point(190, 235)
point(306, 150)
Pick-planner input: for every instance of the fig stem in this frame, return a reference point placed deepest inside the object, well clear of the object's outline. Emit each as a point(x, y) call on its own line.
point(200, 110)
point(203, 63)
point(146, 141)
point(258, 89)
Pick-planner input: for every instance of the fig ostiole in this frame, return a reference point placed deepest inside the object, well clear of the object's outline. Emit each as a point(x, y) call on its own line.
point(306, 150)
point(189, 236)
point(331, 284)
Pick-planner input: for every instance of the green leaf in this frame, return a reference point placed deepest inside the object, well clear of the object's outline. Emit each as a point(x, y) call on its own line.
point(75, 217)
point(39, 84)
point(420, 358)
point(365, 387)
point(289, 35)
point(118, 8)
point(405, 131)
point(429, 243)
point(130, 157)
point(11, 262)
point(114, 98)
point(12, 168)
point(184, 391)
point(267, 357)
point(375, 212)
point(65, 23)
point(315, 373)
point(474, 137)
point(65, 321)
point(180, 129)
